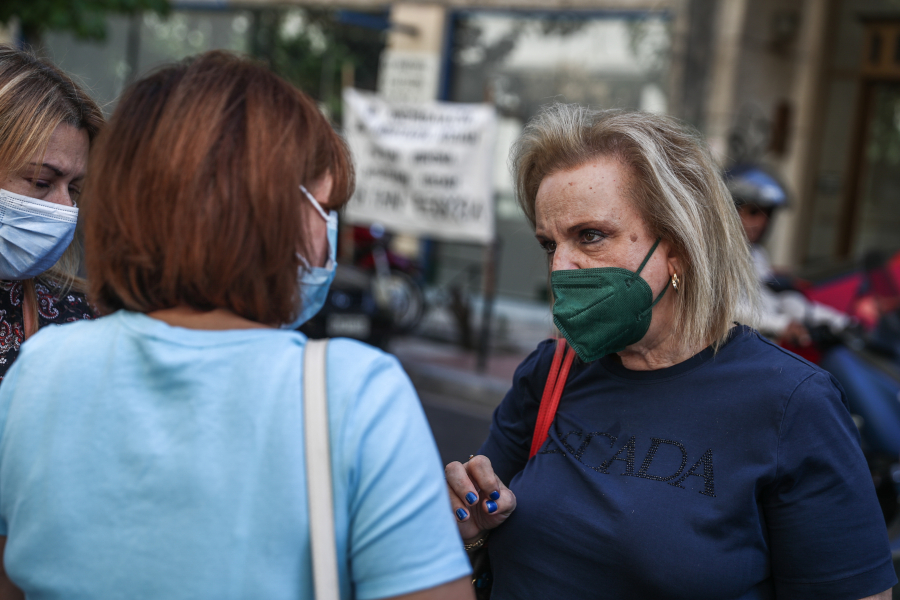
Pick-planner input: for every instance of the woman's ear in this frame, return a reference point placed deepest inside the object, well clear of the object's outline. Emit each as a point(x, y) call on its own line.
point(675, 267)
point(321, 189)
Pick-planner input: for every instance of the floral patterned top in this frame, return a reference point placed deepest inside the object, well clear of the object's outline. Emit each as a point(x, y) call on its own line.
point(52, 308)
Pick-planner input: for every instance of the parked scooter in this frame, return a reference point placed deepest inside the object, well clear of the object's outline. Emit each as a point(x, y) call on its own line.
point(869, 372)
point(865, 359)
point(397, 280)
point(351, 311)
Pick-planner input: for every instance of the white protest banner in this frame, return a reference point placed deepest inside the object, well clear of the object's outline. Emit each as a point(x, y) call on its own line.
point(422, 168)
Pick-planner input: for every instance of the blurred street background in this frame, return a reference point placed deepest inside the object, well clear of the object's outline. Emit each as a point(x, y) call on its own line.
point(808, 88)
point(438, 264)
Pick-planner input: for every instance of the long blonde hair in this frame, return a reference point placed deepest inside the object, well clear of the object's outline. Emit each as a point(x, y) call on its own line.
point(35, 98)
point(676, 188)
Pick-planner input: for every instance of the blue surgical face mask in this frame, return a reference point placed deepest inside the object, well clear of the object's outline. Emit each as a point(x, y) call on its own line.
point(33, 234)
point(315, 281)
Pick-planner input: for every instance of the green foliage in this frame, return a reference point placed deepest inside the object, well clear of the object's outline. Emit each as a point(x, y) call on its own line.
point(86, 19)
point(310, 48)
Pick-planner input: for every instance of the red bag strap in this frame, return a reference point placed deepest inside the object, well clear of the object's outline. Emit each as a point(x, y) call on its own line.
point(553, 389)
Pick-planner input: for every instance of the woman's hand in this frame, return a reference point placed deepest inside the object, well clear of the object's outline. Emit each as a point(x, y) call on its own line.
point(478, 497)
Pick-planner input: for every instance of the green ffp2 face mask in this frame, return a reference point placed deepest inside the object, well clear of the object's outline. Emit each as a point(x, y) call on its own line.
point(603, 310)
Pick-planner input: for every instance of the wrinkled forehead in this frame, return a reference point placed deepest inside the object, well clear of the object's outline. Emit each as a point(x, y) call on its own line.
point(66, 152)
point(600, 188)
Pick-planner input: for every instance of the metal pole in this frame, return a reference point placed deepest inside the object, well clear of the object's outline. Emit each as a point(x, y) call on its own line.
point(488, 290)
point(133, 48)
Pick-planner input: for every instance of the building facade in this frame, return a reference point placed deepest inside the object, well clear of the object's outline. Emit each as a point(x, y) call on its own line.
point(809, 88)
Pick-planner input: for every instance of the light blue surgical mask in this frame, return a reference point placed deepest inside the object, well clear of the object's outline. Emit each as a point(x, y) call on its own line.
point(33, 234)
point(315, 281)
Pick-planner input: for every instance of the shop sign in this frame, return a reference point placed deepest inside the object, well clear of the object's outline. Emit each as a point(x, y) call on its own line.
point(408, 76)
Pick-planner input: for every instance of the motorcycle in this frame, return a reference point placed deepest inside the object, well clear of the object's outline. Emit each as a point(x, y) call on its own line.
point(865, 359)
point(351, 310)
point(870, 376)
point(397, 282)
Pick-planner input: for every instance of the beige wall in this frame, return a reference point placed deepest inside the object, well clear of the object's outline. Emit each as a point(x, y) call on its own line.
point(767, 69)
point(800, 161)
point(726, 61)
point(427, 19)
point(757, 66)
point(7, 34)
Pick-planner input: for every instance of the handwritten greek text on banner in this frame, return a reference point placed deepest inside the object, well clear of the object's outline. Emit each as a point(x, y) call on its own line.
point(422, 168)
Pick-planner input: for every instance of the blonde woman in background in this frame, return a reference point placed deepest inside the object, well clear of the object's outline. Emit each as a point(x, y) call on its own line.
point(47, 124)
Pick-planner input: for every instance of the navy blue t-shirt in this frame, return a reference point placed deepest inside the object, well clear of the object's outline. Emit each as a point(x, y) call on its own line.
point(730, 475)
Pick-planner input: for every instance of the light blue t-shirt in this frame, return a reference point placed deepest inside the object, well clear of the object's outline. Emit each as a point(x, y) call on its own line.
point(140, 460)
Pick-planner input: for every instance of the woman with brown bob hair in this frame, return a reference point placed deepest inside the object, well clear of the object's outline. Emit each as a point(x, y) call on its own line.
point(47, 125)
point(167, 461)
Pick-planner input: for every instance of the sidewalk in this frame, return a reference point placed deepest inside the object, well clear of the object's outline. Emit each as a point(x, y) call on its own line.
point(450, 371)
point(438, 365)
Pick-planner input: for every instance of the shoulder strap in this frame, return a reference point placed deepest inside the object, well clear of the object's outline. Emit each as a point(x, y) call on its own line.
point(318, 472)
point(553, 389)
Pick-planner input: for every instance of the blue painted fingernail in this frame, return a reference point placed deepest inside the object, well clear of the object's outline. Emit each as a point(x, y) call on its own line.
point(491, 506)
point(495, 495)
point(462, 514)
point(471, 498)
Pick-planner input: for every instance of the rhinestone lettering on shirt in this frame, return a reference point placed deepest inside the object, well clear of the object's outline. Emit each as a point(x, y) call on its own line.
point(702, 468)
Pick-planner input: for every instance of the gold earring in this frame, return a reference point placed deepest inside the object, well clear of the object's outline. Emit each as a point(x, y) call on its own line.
point(675, 281)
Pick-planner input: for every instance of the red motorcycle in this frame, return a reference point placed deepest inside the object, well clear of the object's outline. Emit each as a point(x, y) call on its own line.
point(396, 282)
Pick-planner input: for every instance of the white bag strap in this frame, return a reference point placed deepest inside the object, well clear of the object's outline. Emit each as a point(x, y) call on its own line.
point(318, 472)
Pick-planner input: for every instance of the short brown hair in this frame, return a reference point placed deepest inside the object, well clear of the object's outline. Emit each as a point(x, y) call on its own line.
point(676, 188)
point(193, 190)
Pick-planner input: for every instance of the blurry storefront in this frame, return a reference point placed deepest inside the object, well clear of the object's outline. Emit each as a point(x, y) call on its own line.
point(855, 196)
point(513, 54)
point(810, 88)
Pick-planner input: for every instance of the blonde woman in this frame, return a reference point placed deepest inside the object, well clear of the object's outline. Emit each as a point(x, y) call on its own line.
point(689, 457)
point(47, 124)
